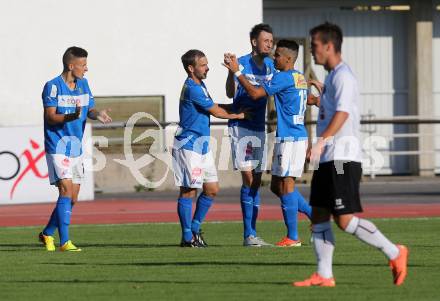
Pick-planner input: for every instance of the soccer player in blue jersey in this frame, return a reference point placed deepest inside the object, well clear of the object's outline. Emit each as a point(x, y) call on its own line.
point(68, 102)
point(248, 137)
point(193, 163)
point(289, 88)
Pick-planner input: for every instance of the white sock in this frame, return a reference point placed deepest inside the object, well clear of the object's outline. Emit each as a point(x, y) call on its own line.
point(324, 244)
point(367, 232)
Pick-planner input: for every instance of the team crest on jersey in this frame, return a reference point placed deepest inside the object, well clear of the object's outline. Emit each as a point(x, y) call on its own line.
point(300, 81)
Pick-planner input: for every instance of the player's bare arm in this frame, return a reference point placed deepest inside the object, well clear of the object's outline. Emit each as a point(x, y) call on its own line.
point(219, 112)
point(254, 92)
point(102, 116)
point(52, 118)
point(312, 98)
point(335, 125)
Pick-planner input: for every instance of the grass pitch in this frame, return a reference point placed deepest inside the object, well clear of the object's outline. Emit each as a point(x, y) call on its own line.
point(142, 261)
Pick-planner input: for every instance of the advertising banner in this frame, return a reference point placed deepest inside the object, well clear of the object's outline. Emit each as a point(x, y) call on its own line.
point(23, 168)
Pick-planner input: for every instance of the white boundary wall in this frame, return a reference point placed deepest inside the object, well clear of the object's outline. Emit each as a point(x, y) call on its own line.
point(134, 47)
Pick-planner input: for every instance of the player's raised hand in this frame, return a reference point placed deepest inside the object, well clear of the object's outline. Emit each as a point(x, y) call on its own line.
point(103, 116)
point(226, 58)
point(231, 62)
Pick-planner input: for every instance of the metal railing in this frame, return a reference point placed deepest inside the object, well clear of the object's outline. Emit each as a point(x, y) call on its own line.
point(369, 119)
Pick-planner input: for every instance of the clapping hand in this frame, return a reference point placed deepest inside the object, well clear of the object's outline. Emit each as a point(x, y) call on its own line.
point(230, 61)
point(103, 116)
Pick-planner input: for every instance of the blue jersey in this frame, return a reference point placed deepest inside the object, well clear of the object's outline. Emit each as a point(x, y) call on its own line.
point(290, 90)
point(66, 138)
point(193, 130)
point(242, 100)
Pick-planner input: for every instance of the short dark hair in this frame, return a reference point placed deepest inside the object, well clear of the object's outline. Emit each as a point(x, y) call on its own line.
point(289, 44)
point(73, 52)
point(190, 57)
point(257, 29)
point(329, 32)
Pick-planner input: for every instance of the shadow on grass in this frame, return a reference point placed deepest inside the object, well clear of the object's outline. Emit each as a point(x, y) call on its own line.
point(20, 245)
point(216, 263)
point(119, 281)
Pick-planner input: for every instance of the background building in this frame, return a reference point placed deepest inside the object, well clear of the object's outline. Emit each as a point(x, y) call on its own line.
point(134, 64)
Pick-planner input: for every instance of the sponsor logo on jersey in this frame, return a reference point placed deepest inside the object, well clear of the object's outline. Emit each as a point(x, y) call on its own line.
point(300, 81)
point(70, 101)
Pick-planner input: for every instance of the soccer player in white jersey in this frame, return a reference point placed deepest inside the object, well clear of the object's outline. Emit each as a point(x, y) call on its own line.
point(248, 136)
point(68, 102)
point(193, 163)
point(335, 184)
point(289, 89)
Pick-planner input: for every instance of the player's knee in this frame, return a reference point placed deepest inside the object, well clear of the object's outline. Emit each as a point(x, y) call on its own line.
point(320, 215)
point(65, 190)
point(256, 180)
point(247, 178)
point(187, 192)
point(343, 221)
point(211, 191)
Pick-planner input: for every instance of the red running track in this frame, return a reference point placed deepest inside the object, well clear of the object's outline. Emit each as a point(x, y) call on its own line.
point(141, 211)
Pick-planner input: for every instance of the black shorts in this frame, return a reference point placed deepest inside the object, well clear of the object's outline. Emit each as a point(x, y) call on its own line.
point(338, 192)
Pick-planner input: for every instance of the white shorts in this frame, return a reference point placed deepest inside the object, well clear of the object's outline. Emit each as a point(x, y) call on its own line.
point(63, 167)
point(247, 148)
point(192, 169)
point(289, 158)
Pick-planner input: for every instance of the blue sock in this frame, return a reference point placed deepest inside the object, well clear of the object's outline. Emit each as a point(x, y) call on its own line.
point(255, 207)
point(203, 204)
point(184, 210)
point(303, 205)
point(64, 211)
point(52, 225)
point(246, 210)
point(289, 205)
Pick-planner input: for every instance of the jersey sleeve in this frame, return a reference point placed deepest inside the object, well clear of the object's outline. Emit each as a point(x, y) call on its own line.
point(279, 82)
point(344, 85)
point(200, 97)
point(49, 95)
point(88, 91)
